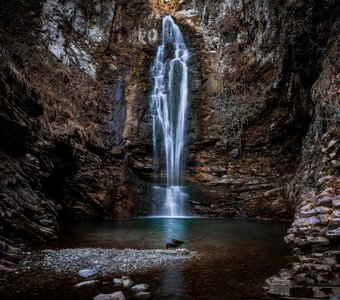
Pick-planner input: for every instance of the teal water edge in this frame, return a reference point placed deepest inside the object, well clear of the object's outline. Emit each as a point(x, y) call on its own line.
point(236, 255)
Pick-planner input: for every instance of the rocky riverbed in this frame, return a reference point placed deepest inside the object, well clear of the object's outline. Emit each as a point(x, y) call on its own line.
point(106, 261)
point(84, 273)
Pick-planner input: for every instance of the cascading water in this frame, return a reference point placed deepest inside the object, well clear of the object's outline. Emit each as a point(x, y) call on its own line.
point(169, 101)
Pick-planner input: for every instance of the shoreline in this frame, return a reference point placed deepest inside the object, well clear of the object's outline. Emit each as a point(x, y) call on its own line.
point(106, 260)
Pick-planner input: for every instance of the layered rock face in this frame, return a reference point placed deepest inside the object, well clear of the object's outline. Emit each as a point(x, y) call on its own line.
point(263, 122)
point(247, 139)
point(315, 186)
point(270, 140)
point(61, 129)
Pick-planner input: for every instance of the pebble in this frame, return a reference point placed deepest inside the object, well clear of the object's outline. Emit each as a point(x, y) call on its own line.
point(88, 273)
point(87, 283)
point(142, 287)
point(142, 295)
point(117, 281)
point(114, 296)
point(127, 283)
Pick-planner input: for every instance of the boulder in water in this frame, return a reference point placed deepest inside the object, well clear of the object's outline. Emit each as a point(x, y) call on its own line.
point(174, 244)
point(177, 243)
point(169, 246)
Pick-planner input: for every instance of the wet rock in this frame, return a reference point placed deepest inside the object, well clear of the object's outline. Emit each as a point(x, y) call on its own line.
point(88, 272)
point(143, 295)
point(117, 281)
point(174, 244)
point(114, 296)
point(177, 243)
point(127, 282)
point(170, 246)
point(142, 287)
point(87, 283)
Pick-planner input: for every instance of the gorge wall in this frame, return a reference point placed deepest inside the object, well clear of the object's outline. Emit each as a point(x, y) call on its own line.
point(264, 119)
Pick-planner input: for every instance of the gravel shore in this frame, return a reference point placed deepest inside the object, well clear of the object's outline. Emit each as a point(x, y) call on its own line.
point(106, 260)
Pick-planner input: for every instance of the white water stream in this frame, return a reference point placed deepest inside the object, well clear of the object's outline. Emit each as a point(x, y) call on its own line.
point(169, 101)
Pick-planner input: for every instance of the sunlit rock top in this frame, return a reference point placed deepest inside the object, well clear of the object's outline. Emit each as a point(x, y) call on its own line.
point(164, 7)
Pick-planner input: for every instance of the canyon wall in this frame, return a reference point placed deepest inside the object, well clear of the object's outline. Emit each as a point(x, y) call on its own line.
point(263, 136)
point(269, 131)
point(63, 110)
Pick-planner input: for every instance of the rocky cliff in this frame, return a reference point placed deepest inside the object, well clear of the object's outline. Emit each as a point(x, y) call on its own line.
point(263, 123)
point(61, 156)
point(270, 139)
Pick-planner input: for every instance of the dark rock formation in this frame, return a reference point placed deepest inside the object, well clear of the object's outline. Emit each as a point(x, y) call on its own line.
point(59, 160)
point(173, 244)
point(25, 212)
point(249, 134)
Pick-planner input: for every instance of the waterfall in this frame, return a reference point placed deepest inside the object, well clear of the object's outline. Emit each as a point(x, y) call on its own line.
point(169, 101)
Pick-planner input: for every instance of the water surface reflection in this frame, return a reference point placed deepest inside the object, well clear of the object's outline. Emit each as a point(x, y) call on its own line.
point(237, 255)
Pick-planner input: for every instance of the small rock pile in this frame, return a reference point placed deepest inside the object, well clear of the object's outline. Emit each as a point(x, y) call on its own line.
point(139, 290)
point(317, 221)
point(93, 262)
point(315, 234)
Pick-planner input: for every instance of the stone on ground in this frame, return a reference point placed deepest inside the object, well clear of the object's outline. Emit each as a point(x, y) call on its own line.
point(85, 273)
point(142, 295)
point(142, 287)
point(87, 283)
point(114, 296)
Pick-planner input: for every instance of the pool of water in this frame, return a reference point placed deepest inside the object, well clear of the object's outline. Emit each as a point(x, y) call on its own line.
point(237, 256)
point(197, 233)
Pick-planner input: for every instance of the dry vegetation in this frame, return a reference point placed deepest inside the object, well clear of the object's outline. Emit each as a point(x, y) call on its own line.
point(71, 99)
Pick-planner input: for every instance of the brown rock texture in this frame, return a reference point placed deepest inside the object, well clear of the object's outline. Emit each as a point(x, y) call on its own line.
point(62, 122)
point(164, 7)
